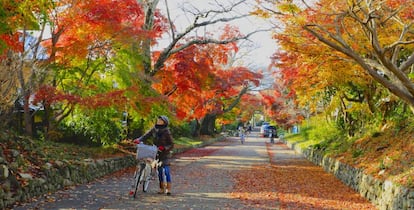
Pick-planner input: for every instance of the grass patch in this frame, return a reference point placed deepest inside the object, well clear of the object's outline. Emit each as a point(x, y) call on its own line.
point(316, 132)
point(185, 141)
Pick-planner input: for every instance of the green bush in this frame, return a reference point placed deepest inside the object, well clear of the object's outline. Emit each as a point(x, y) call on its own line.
point(100, 127)
point(316, 132)
point(182, 130)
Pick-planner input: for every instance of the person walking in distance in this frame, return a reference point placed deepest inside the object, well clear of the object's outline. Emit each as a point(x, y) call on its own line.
point(242, 134)
point(163, 139)
point(272, 136)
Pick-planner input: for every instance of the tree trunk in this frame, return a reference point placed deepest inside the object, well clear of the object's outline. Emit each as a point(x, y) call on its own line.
point(195, 128)
point(149, 9)
point(208, 124)
point(28, 123)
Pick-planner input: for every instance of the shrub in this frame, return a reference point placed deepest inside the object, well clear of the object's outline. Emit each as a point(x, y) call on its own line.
point(100, 127)
point(182, 130)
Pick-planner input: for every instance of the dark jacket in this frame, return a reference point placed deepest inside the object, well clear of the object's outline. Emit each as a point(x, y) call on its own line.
point(161, 137)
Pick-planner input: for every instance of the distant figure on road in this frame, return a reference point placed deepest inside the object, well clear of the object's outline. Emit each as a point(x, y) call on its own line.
point(249, 128)
point(273, 135)
point(242, 134)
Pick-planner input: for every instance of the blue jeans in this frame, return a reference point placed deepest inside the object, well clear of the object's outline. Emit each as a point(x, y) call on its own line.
point(164, 171)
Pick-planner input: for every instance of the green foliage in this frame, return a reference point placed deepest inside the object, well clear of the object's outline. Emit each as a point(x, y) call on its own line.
point(400, 115)
point(126, 71)
point(49, 150)
point(135, 127)
point(102, 126)
point(182, 130)
point(324, 131)
point(317, 132)
point(358, 152)
point(232, 126)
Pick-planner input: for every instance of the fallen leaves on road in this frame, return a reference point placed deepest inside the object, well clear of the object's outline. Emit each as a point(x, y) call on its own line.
point(196, 152)
point(294, 184)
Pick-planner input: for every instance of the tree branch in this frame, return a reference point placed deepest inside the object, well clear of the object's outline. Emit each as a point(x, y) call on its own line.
point(237, 100)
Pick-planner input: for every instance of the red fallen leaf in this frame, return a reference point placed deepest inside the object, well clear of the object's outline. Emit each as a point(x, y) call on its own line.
point(295, 184)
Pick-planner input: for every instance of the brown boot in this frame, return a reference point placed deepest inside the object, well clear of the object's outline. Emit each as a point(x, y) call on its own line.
point(168, 188)
point(162, 188)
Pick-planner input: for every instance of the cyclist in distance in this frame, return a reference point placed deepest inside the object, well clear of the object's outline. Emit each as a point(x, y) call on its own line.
point(162, 138)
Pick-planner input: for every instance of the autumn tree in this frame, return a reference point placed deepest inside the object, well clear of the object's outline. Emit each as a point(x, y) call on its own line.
point(155, 62)
point(9, 43)
point(140, 34)
point(344, 73)
point(94, 48)
point(100, 54)
point(204, 85)
point(279, 102)
point(179, 40)
point(71, 46)
point(382, 44)
point(250, 104)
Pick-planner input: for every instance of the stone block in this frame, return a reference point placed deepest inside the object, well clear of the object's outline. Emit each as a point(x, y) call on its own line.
point(4, 172)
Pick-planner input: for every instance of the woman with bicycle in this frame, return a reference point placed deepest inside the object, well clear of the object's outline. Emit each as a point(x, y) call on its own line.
point(162, 138)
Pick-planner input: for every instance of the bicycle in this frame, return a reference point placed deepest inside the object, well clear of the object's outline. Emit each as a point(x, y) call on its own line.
point(146, 167)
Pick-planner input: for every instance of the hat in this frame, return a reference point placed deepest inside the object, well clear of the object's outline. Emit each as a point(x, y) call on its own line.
point(164, 118)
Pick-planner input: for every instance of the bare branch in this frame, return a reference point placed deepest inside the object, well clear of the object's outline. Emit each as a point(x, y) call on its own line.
point(169, 19)
point(236, 100)
point(408, 63)
point(273, 11)
point(223, 10)
point(212, 41)
point(170, 49)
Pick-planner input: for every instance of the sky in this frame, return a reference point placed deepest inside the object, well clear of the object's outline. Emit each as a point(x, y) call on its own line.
point(262, 44)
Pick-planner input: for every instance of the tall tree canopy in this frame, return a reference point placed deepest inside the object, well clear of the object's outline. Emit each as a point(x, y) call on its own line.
point(367, 54)
point(376, 35)
point(99, 55)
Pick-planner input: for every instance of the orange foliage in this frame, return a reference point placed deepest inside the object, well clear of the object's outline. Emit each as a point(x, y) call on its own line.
point(248, 105)
point(199, 82)
point(12, 42)
point(96, 25)
point(280, 102)
point(48, 95)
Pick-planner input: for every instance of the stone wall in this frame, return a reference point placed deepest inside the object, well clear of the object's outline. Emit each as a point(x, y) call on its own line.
point(384, 194)
point(55, 176)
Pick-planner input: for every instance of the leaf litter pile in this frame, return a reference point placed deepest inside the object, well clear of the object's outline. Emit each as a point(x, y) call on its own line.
point(294, 184)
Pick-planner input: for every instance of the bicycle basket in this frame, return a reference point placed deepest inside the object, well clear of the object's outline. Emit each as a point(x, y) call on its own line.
point(146, 151)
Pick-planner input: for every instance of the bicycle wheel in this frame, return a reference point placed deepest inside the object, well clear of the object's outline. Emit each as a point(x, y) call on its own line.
point(138, 178)
point(146, 177)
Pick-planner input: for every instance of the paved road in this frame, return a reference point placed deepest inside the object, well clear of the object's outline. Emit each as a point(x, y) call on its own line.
point(204, 178)
point(198, 182)
point(203, 182)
